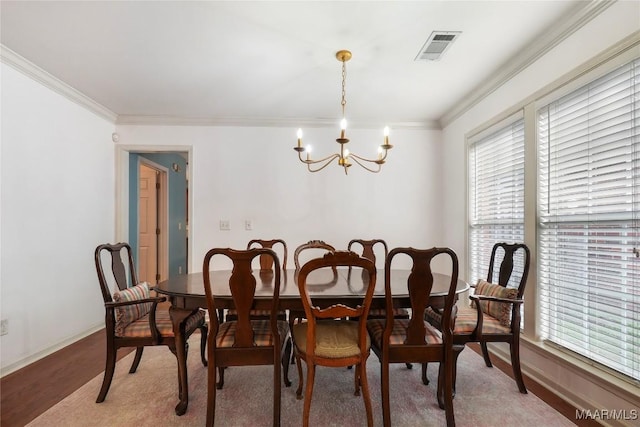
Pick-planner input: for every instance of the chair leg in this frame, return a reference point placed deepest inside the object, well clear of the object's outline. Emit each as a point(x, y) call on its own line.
point(425, 380)
point(364, 384)
point(211, 389)
point(448, 390)
point(108, 372)
point(136, 360)
point(440, 386)
point(204, 330)
point(277, 390)
point(456, 353)
point(485, 354)
point(356, 381)
point(311, 373)
point(300, 379)
point(384, 390)
point(285, 362)
point(515, 363)
point(220, 382)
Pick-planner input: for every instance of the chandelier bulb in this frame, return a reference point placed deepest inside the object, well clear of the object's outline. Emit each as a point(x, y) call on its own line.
point(299, 138)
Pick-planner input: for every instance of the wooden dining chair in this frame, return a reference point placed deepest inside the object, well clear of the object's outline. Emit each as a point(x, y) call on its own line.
point(133, 317)
point(369, 252)
point(494, 314)
point(266, 269)
point(316, 247)
point(320, 245)
point(414, 340)
point(244, 341)
point(327, 338)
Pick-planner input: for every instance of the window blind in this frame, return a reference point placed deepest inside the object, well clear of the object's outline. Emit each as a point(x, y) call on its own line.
point(588, 201)
point(496, 196)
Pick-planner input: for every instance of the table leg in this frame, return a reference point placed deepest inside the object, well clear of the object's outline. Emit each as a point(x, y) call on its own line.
point(177, 318)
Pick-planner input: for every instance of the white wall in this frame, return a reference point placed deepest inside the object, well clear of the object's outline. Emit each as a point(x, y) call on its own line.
point(57, 203)
point(616, 23)
point(253, 173)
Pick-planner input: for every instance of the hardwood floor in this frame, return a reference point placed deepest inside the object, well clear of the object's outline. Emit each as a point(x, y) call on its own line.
point(32, 390)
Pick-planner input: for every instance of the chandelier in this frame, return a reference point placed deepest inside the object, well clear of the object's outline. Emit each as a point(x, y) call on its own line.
point(344, 157)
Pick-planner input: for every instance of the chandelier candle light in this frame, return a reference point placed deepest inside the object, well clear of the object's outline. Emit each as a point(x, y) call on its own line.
point(344, 156)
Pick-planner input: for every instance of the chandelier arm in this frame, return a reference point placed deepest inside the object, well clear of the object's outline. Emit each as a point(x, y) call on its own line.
point(327, 161)
point(377, 161)
point(362, 164)
point(313, 162)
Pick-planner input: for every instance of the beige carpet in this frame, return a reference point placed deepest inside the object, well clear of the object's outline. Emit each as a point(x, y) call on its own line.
point(485, 397)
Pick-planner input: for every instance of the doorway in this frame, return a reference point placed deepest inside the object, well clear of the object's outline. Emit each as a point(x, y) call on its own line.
point(172, 162)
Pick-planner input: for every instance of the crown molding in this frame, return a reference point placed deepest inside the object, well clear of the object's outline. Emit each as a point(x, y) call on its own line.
point(23, 65)
point(124, 119)
point(572, 21)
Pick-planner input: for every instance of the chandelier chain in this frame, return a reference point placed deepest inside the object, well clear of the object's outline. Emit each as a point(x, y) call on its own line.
point(344, 92)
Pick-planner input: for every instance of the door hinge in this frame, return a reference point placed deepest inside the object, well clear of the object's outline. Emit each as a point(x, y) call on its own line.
point(157, 185)
point(157, 277)
point(157, 231)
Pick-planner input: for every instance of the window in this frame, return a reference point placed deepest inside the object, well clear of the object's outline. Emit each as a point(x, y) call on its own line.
point(588, 196)
point(496, 195)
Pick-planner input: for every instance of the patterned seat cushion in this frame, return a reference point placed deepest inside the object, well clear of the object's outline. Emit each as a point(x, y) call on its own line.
point(375, 313)
point(334, 338)
point(232, 314)
point(130, 313)
point(399, 332)
point(262, 336)
point(467, 318)
point(499, 310)
point(433, 316)
point(140, 328)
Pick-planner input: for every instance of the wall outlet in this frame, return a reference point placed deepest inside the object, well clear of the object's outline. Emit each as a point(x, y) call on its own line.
point(248, 225)
point(179, 269)
point(224, 225)
point(4, 326)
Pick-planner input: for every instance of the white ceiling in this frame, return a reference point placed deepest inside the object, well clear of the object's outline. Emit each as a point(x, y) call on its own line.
point(268, 62)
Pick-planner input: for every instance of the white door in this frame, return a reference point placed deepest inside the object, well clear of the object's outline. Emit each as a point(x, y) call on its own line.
point(148, 225)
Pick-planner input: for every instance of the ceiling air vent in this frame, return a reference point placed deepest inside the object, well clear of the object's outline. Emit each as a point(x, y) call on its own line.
point(437, 43)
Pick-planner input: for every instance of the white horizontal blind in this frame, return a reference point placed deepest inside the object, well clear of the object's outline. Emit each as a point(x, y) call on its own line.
point(496, 196)
point(589, 278)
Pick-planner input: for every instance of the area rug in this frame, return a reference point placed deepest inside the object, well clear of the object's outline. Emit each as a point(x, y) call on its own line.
point(485, 397)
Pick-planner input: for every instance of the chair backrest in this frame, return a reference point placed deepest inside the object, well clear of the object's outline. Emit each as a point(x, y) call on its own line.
point(242, 284)
point(124, 276)
point(266, 262)
point(510, 253)
point(311, 244)
point(368, 248)
point(360, 309)
point(419, 285)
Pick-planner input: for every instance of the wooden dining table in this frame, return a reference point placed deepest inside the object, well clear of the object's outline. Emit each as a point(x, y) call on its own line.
point(186, 294)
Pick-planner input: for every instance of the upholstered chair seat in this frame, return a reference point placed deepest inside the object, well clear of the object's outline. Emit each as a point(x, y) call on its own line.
point(140, 328)
point(334, 340)
point(399, 332)
point(262, 336)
